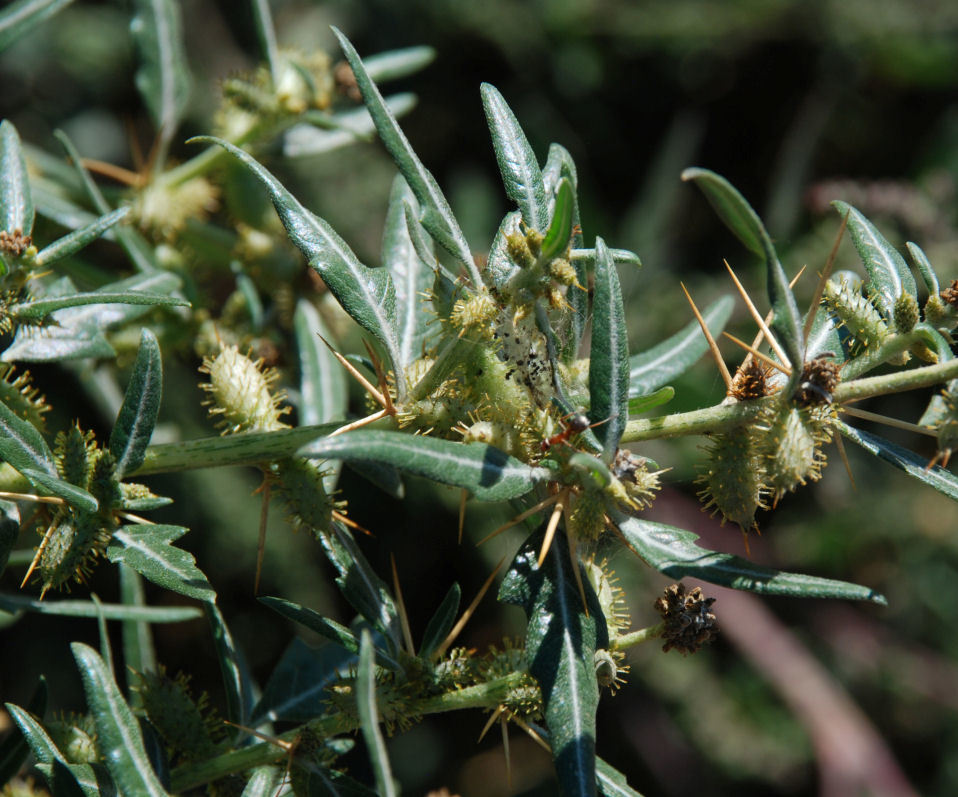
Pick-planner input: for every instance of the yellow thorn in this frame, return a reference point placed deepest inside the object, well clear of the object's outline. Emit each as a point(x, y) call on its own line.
point(826, 273)
point(467, 614)
point(348, 521)
point(117, 173)
point(535, 736)
point(848, 466)
point(361, 422)
point(760, 336)
point(519, 518)
point(367, 385)
point(884, 419)
point(716, 354)
point(464, 495)
point(748, 551)
point(36, 559)
point(381, 376)
point(401, 607)
point(551, 530)
point(756, 353)
point(504, 725)
point(282, 744)
point(142, 521)
point(492, 721)
point(757, 317)
point(261, 543)
point(39, 499)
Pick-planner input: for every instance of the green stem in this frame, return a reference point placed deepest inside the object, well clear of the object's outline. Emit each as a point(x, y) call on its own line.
point(897, 382)
point(638, 637)
point(485, 695)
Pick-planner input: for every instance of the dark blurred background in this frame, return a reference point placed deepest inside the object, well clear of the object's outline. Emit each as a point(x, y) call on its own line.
point(797, 103)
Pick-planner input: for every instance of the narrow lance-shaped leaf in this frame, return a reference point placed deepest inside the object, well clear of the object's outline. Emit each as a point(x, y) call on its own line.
point(73, 495)
point(673, 551)
point(16, 202)
point(163, 78)
point(118, 734)
point(558, 235)
point(367, 294)
point(369, 717)
point(19, 17)
point(923, 264)
point(441, 623)
point(147, 550)
point(611, 782)
point(412, 276)
point(561, 641)
point(400, 63)
point(40, 308)
point(78, 239)
point(437, 217)
point(14, 748)
point(672, 357)
point(609, 355)
point(266, 33)
point(22, 445)
point(141, 405)
point(9, 531)
point(487, 472)
point(139, 653)
point(314, 621)
point(237, 682)
point(517, 162)
point(915, 466)
point(111, 611)
point(888, 273)
point(648, 401)
point(744, 222)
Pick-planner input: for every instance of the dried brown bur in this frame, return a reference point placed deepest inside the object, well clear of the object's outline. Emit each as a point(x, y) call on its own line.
point(687, 617)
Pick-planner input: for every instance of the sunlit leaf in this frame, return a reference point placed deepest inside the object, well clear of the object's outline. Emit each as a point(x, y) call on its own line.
point(147, 550)
point(141, 405)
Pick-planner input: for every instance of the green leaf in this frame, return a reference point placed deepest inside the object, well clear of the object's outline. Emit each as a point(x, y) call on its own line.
point(561, 640)
point(586, 258)
point(673, 551)
point(825, 336)
point(646, 402)
point(139, 654)
point(254, 305)
point(609, 355)
point(262, 783)
point(412, 276)
point(16, 203)
point(118, 734)
point(163, 78)
point(611, 782)
point(517, 162)
point(9, 532)
point(672, 357)
point(437, 218)
point(367, 294)
point(923, 264)
point(19, 17)
point(441, 623)
point(141, 405)
point(314, 621)
point(73, 495)
point(888, 273)
point(369, 717)
point(14, 748)
point(490, 474)
point(340, 129)
point(297, 689)
point(46, 752)
point(266, 33)
point(78, 239)
point(400, 63)
point(915, 466)
point(147, 550)
point(385, 477)
point(744, 222)
point(23, 446)
point(40, 308)
point(560, 228)
point(237, 682)
point(360, 585)
point(500, 267)
point(111, 611)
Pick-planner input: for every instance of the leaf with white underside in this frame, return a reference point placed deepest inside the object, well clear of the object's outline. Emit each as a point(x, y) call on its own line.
point(367, 294)
point(147, 550)
point(118, 734)
point(487, 472)
point(672, 357)
point(673, 551)
point(141, 405)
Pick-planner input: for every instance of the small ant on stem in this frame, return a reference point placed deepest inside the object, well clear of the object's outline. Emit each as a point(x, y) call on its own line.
point(577, 423)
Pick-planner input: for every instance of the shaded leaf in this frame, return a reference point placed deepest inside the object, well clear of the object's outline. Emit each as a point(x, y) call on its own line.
point(62, 781)
point(367, 294)
point(237, 682)
point(314, 621)
point(22, 445)
point(147, 550)
point(14, 749)
point(262, 783)
point(561, 641)
point(341, 130)
point(141, 405)
point(673, 551)
point(78, 239)
point(19, 17)
point(369, 717)
point(139, 654)
point(923, 264)
point(73, 495)
point(490, 474)
point(441, 623)
point(611, 782)
point(672, 357)
point(888, 273)
point(520, 171)
point(111, 611)
point(118, 734)
point(16, 202)
point(9, 532)
point(609, 355)
point(266, 33)
point(649, 401)
point(437, 218)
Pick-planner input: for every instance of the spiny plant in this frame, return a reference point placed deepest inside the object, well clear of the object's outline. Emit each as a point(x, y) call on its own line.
point(477, 377)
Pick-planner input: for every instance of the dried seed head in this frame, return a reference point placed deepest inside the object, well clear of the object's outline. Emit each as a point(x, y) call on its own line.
point(820, 377)
point(688, 617)
point(751, 381)
point(950, 294)
point(14, 243)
